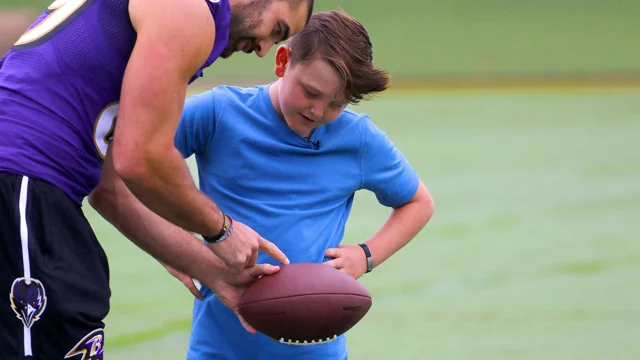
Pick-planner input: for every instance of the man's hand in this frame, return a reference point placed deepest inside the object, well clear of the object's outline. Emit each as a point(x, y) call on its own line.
point(240, 250)
point(234, 284)
point(350, 259)
point(186, 280)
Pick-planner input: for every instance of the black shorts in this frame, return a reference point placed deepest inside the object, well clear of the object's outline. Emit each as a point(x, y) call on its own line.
point(54, 276)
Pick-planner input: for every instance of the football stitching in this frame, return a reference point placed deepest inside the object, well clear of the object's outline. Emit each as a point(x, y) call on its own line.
point(307, 343)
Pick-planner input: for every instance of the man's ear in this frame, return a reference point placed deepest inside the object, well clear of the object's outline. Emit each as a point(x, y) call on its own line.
point(283, 57)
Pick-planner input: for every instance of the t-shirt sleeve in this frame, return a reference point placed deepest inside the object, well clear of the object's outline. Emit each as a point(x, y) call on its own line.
point(197, 124)
point(386, 172)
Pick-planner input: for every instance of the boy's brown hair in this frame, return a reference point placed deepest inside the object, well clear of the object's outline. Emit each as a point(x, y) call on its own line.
point(343, 42)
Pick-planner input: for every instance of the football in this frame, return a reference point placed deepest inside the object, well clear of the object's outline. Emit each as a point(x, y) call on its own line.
point(305, 304)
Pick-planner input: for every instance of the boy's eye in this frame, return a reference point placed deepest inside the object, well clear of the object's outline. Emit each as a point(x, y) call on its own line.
point(309, 93)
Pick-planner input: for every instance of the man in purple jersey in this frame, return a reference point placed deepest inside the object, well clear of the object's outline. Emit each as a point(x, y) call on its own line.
point(81, 68)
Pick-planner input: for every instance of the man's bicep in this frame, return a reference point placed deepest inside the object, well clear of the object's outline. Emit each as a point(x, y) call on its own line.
point(169, 49)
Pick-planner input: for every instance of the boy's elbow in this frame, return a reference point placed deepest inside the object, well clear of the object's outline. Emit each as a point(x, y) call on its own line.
point(430, 207)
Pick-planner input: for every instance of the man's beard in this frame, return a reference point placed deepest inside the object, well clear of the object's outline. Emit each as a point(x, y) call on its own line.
point(244, 18)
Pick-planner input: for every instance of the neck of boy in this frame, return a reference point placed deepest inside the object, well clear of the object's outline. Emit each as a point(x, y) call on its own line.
point(274, 96)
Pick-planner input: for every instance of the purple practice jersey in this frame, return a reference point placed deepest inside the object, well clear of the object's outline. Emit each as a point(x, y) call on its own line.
point(60, 87)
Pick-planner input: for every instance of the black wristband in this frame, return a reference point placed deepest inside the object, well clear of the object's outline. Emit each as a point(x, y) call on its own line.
point(367, 253)
point(224, 232)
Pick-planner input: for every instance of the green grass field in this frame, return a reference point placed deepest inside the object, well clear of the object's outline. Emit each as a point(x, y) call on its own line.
point(433, 38)
point(532, 253)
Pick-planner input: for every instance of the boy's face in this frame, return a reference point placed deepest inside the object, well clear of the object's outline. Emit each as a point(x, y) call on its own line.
point(311, 94)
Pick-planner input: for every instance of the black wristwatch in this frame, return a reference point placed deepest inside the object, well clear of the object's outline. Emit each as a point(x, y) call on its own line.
point(367, 253)
point(227, 229)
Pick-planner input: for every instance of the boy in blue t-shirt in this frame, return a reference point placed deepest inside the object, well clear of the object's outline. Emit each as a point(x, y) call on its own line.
point(286, 159)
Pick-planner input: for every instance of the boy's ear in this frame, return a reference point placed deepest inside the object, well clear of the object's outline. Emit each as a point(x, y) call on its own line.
point(283, 56)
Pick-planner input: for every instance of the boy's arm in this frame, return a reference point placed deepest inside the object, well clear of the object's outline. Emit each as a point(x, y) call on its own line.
point(387, 173)
point(404, 224)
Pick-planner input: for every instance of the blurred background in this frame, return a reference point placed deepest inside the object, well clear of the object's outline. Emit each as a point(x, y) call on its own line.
point(521, 117)
point(426, 42)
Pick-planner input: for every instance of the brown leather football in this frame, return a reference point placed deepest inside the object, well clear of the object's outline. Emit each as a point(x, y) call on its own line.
point(305, 304)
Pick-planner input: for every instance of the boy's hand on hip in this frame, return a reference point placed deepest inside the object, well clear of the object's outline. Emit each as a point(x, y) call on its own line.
point(350, 259)
point(240, 249)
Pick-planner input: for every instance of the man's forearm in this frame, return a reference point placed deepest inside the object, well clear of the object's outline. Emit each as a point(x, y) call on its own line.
point(166, 242)
point(166, 187)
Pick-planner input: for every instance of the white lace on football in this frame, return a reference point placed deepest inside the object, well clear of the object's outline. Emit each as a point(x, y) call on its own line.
point(307, 343)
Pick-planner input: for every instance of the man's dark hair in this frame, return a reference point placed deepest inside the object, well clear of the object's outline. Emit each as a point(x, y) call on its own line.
point(294, 4)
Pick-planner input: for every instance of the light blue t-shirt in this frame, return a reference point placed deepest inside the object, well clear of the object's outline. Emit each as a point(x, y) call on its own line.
point(294, 192)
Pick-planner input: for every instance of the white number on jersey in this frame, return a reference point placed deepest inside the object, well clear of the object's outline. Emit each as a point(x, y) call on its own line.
point(59, 11)
point(104, 128)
